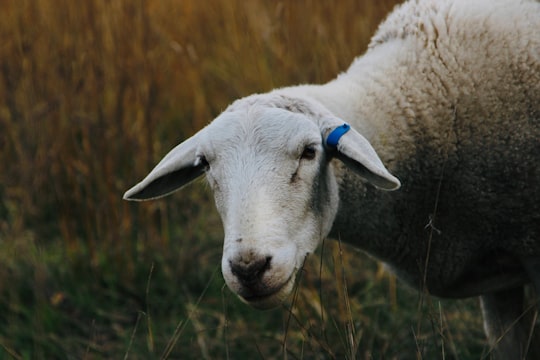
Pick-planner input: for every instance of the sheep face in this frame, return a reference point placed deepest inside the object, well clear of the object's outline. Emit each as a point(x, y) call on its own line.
point(276, 195)
point(268, 161)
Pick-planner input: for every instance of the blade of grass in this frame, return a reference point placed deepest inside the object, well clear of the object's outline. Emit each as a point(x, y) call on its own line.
point(182, 324)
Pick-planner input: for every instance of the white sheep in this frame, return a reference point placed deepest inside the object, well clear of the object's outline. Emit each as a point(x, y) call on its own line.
point(447, 97)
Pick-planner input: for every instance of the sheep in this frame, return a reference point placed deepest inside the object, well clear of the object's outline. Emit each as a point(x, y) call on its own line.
point(445, 99)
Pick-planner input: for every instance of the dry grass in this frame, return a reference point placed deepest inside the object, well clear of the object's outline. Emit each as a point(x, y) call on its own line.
point(92, 94)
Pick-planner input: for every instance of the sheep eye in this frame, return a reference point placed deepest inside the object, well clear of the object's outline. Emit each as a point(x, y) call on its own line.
point(201, 161)
point(308, 153)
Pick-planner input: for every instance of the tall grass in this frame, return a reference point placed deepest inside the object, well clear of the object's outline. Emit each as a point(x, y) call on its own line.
point(92, 94)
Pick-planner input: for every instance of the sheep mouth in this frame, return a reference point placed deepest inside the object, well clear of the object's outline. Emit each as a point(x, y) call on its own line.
point(268, 298)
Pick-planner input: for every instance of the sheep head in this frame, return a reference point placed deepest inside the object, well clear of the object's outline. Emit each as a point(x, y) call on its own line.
point(267, 160)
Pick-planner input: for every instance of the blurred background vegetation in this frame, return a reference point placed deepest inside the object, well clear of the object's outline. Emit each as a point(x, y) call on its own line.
point(92, 94)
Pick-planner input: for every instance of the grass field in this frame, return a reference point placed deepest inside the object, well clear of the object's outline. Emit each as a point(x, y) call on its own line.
point(92, 94)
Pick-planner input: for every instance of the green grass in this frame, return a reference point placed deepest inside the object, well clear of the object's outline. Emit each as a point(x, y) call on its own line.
point(342, 309)
point(92, 95)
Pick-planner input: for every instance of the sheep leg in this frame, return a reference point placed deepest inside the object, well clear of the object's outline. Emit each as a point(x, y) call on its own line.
point(532, 266)
point(505, 325)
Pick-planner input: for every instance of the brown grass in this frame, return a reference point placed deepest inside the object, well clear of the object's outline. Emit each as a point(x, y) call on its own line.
point(92, 94)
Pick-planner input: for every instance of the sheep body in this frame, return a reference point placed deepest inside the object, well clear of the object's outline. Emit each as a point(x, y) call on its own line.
point(460, 130)
point(446, 97)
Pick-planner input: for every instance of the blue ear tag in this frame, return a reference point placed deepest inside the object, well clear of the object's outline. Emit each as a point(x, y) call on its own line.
point(336, 134)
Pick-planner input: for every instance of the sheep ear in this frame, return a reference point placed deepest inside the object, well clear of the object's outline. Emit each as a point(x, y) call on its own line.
point(180, 166)
point(358, 154)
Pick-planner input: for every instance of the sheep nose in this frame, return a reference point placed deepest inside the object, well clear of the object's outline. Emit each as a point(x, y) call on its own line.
point(249, 270)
